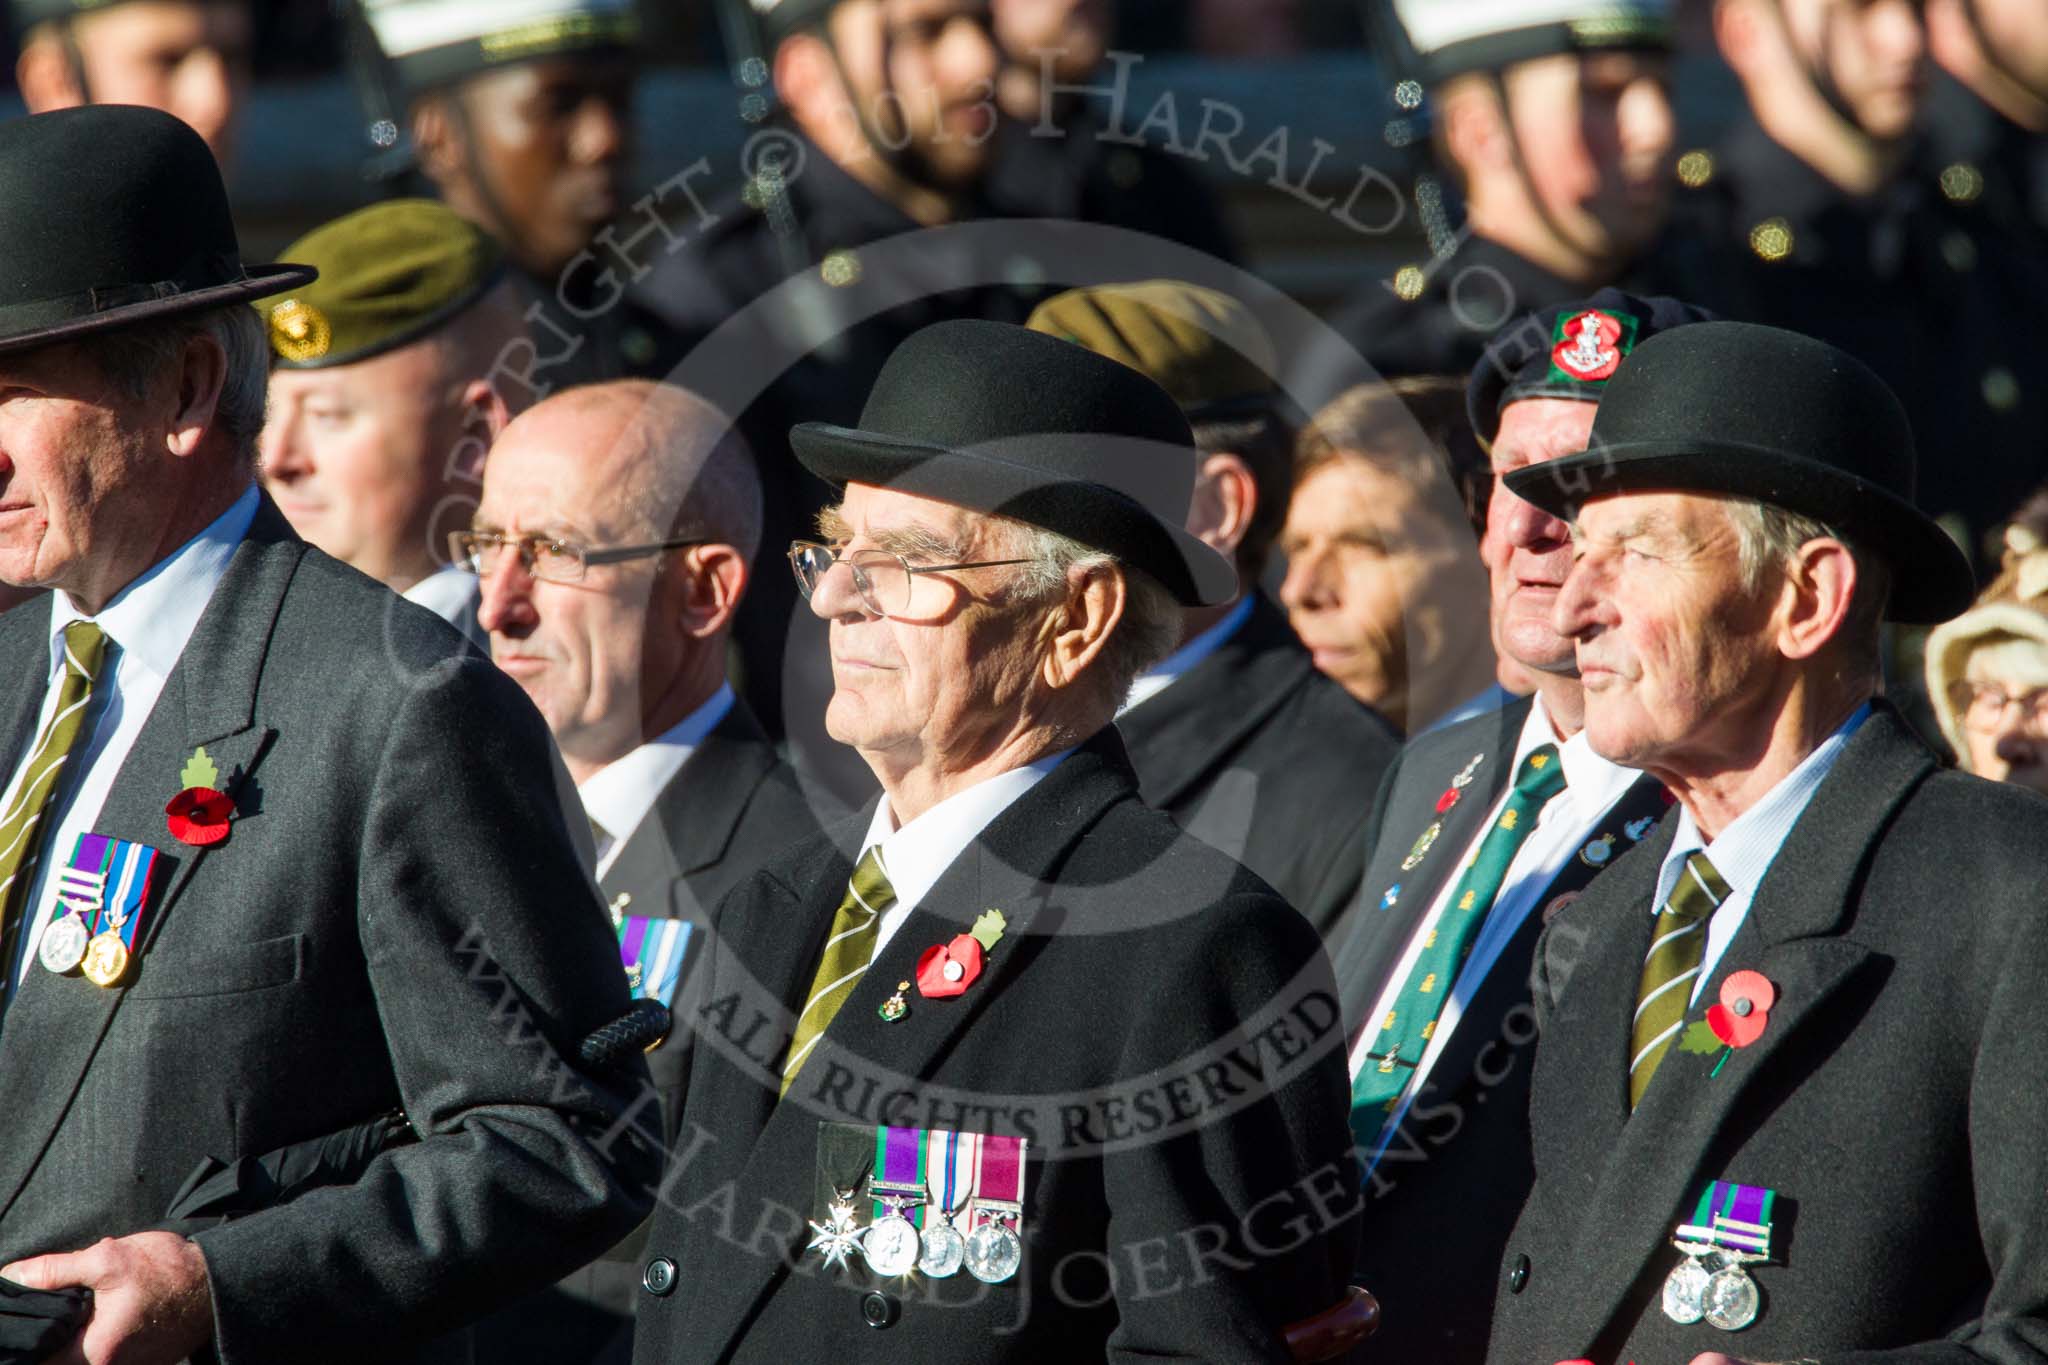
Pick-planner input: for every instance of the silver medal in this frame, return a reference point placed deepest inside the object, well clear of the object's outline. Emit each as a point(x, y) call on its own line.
point(1685, 1290)
point(1731, 1300)
point(890, 1246)
point(993, 1253)
point(944, 1250)
point(63, 945)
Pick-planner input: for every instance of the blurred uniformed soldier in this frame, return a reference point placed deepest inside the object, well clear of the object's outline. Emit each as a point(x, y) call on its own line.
point(1998, 51)
point(1555, 119)
point(1823, 211)
point(185, 57)
point(381, 399)
point(1052, 161)
point(520, 116)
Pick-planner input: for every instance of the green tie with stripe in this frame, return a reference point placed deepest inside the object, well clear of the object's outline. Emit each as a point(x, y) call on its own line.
point(1405, 1032)
point(21, 824)
point(1670, 968)
point(856, 928)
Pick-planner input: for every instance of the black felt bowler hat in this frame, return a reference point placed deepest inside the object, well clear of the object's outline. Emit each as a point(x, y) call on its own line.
point(111, 215)
point(1007, 420)
point(1760, 413)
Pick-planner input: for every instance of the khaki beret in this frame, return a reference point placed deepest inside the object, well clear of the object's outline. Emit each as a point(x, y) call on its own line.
point(1203, 347)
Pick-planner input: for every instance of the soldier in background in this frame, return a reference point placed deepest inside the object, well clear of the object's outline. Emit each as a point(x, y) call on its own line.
point(1825, 211)
point(1557, 125)
point(1998, 50)
point(382, 404)
point(186, 57)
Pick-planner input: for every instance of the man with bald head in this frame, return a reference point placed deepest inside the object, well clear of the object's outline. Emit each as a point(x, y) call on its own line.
point(612, 543)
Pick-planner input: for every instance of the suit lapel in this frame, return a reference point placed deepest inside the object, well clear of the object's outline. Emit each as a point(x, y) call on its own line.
point(1012, 867)
point(54, 1025)
point(1657, 1161)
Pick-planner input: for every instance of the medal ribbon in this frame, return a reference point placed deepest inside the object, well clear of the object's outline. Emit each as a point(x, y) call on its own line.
point(999, 1175)
point(1733, 1203)
point(129, 870)
point(82, 882)
point(899, 1162)
point(949, 1167)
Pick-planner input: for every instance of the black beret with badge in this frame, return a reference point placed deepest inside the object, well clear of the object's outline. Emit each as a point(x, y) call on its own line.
point(113, 215)
point(435, 43)
point(1569, 351)
point(1757, 412)
point(390, 274)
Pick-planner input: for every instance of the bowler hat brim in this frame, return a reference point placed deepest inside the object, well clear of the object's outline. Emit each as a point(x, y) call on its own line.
point(982, 479)
point(26, 326)
point(1931, 578)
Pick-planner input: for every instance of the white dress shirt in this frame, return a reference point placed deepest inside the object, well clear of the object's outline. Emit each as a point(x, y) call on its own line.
point(147, 625)
point(619, 795)
point(1744, 851)
point(915, 855)
point(1592, 786)
point(1155, 680)
point(452, 594)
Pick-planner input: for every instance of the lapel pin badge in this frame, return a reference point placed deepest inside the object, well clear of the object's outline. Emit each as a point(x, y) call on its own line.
point(1737, 1021)
point(199, 814)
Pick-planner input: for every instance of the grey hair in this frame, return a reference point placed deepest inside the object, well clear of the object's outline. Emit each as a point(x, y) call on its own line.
point(1151, 624)
point(1767, 537)
point(134, 358)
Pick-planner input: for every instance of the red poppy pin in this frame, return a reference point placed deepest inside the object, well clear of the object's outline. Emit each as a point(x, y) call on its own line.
point(1450, 798)
point(1746, 1000)
point(948, 969)
point(199, 814)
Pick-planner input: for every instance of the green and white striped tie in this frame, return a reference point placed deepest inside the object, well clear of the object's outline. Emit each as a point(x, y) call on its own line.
point(1670, 968)
point(21, 825)
point(856, 928)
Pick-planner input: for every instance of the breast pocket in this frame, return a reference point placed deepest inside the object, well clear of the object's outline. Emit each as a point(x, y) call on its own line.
point(230, 969)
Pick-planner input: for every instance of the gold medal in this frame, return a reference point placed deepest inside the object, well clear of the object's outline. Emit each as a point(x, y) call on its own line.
point(106, 959)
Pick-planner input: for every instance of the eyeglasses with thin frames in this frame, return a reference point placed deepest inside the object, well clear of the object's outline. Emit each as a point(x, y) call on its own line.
point(548, 559)
point(1984, 707)
point(883, 580)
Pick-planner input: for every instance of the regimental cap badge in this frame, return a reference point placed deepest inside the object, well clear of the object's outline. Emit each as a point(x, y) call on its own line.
point(1588, 346)
point(299, 332)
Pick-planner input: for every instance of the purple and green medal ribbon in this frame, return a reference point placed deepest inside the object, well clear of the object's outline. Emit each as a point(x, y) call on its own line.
point(125, 869)
point(899, 1165)
point(1730, 1202)
point(656, 946)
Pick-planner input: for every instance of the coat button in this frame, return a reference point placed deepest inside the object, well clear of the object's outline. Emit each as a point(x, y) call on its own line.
point(1518, 1274)
point(659, 1277)
point(878, 1310)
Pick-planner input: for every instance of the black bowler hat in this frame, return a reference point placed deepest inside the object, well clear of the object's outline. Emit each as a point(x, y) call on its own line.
point(1756, 412)
point(1569, 351)
point(1006, 420)
point(112, 215)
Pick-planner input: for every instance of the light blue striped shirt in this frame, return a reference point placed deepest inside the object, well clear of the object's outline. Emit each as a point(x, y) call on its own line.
point(1743, 852)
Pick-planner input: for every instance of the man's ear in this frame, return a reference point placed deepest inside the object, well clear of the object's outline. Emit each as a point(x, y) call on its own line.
point(434, 140)
point(1737, 32)
point(1820, 584)
point(202, 377)
point(715, 577)
point(1226, 499)
point(47, 76)
point(1475, 126)
point(1080, 628)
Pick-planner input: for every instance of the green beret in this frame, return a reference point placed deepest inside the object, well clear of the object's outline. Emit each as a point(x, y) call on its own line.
point(390, 274)
point(433, 43)
point(1203, 347)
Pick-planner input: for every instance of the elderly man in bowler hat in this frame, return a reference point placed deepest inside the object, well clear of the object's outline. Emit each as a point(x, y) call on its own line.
point(280, 857)
point(965, 1095)
point(1787, 1104)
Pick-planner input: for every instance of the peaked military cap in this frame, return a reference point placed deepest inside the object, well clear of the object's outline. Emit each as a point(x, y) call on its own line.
point(1569, 351)
point(1002, 419)
point(112, 215)
point(780, 18)
point(1203, 347)
point(390, 274)
point(1775, 416)
point(1451, 37)
point(432, 43)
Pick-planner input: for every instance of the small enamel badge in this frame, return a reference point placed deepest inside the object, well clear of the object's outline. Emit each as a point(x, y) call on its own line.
point(1421, 847)
point(1636, 829)
point(1450, 798)
point(1588, 347)
point(1597, 851)
point(1393, 895)
point(895, 1007)
point(1464, 777)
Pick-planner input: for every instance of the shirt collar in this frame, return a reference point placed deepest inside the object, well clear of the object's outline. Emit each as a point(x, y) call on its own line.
point(447, 592)
point(619, 795)
point(153, 618)
point(1155, 679)
point(917, 854)
point(1590, 782)
point(1743, 852)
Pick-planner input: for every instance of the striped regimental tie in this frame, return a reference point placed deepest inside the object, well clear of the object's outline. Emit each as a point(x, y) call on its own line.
point(856, 928)
point(1671, 967)
point(21, 824)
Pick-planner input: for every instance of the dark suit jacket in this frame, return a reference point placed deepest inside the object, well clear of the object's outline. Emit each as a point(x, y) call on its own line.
point(732, 807)
point(396, 920)
point(1444, 1196)
point(1261, 756)
point(1156, 1024)
point(1894, 1100)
